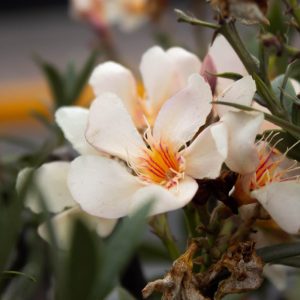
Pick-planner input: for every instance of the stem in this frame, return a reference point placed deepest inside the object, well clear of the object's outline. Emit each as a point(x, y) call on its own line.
point(229, 31)
point(161, 228)
point(182, 17)
point(294, 10)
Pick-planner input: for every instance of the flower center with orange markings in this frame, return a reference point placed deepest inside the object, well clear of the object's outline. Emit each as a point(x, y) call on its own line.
point(160, 164)
point(270, 168)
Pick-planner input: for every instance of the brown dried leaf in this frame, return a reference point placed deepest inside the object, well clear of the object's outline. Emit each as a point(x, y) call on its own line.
point(239, 270)
point(179, 283)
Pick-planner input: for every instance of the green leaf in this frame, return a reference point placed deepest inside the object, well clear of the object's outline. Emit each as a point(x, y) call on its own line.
point(267, 95)
point(289, 261)
point(55, 81)
point(82, 77)
point(82, 265)
point(275, 16)
point(118, 250)
point(296, 114)
point(287, 141)
point(277, 252)
point(17, 273)
point(228, 75)
point(283, 87)
point(124, 295)
point(10, 222)
point(291, 128)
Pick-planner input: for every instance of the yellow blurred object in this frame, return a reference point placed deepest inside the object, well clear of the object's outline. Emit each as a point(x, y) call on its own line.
point(18, 100)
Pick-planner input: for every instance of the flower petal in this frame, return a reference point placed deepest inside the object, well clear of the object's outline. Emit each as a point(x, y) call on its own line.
point(225, 60)
point(111, 77)
point(281, 200)
point(242, 129)
point(102, 186)
point(207, 69)
point(63, 224)
point(240, 92)
point(73, 122)
point(206, 154)
point(185, 64)
point(165, 200)
point(158, 76)
point(181, 116)
point(51, 181)
point(110, 128)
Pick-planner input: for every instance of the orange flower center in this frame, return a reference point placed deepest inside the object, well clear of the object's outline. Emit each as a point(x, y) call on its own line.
point(270, 167)
point(160, 164)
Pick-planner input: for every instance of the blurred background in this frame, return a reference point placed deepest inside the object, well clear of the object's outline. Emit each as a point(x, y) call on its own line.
point(48, 29)
point(32, 31)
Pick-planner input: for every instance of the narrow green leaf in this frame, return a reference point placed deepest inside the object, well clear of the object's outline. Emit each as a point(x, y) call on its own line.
point(55, 81)
point(228, 75)
point(119, 248)
point(82, 265)
point(267, 95)
point(289, 261)
point(277, 252)
point(296, 114)
point(293, 129)
point(280, 90)
point(183, 17)
point(276, 18)
point(124, 295)
point(10, 221)
point(82, 77)
point(17, 273)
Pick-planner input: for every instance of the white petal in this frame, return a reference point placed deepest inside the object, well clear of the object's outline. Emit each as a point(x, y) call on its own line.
point(51, 181)
point(181, 116)
point(240, 92)
point(296, 86)
point(242, 129)
point(64, 222)
point(185, 64)
point(205, 156)
point(73, 122)
point(114, 78)
point(281, 200)
point(102, 186)
point(165, 200)
point(225, 60)
point(110, 128)
point(158, 76)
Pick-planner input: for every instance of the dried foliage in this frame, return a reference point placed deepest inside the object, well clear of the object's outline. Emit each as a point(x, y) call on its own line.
point(239, 270)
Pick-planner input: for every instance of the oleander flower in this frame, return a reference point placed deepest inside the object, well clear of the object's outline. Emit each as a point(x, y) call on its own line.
point(162, 164)
point(126, 14)
point(51, 182)
point(275, 185)
point(164, 73)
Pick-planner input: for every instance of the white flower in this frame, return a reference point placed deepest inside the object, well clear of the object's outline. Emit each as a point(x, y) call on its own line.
point(126, 14)
point(164, 73)
point(161, 166)
point(225, 59)
point(275, 185)
point(51, 181)
point(263, 176)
